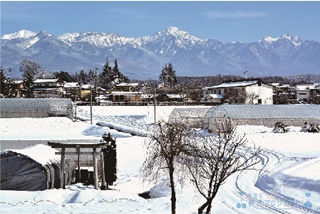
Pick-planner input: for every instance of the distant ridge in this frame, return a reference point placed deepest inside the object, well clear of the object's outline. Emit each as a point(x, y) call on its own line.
point(144, 57)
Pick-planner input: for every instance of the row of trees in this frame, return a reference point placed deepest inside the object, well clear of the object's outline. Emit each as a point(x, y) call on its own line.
point(108, 78)
point(176, 150)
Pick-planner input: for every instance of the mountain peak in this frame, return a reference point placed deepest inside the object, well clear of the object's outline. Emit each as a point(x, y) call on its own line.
point(268, 39)
point(174, 31)
point(286, 37)
point(22, 34)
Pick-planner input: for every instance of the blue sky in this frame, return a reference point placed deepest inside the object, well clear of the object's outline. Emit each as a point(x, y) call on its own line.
point(221, 20)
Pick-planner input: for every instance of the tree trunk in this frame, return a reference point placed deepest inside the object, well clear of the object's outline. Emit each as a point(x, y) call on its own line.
point(207, 205)
point(173, 191)
point(203, 206)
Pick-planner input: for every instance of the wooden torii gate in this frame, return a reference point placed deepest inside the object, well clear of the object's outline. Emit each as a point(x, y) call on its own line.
point(78, 147)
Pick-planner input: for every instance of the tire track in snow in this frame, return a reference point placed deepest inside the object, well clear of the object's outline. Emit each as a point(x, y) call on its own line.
point(270, 161)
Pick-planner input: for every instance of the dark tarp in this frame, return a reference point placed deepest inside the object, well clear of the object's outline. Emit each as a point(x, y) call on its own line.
point(33, 168)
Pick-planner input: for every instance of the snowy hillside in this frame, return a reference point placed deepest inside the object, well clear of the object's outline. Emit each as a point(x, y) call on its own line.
point(144, 57)
point(286, 181)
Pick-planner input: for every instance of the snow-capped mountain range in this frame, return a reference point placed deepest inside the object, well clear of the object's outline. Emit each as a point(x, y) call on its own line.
point(144, 57)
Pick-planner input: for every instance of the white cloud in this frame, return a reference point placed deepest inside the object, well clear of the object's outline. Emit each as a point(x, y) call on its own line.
point(233, 15)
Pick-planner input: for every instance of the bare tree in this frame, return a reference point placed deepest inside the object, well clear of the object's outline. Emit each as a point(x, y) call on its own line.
point(217, 159)
point(251, 96)
point(169, 143)
point(234, 95)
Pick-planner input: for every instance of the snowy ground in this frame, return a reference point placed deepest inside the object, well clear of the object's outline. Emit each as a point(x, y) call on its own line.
point(288, 179)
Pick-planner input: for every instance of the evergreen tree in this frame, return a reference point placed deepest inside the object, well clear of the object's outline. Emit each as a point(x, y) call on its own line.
point(168, 75)
point(110, 77)
point(29, 70)
point(6, 84)
point(116, 73)
point(82, 77)
point(106, 75)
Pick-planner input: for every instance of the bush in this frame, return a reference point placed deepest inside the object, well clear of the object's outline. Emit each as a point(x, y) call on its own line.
point(279, 127)
point(312, 127)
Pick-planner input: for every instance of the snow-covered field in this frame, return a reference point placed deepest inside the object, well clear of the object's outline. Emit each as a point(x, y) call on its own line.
point(287, 180)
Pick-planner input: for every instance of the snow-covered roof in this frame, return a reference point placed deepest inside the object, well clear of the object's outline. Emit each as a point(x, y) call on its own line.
point(307, 86)
point(125, 93)
point(235, 84)
point(215, 96)
point(18, 81)
point(45, 80)
point(40, 153)
point(86, 86)
point(176, 96)
point(71, 85)
point(128, 84)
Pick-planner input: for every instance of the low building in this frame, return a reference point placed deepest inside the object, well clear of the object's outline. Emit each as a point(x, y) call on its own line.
point(48, 88)
point(125, 96)
point(126, 87)
point(283, 94)
point(242, 92)
point(213, 98)
point(72, 90)
point(303, 91)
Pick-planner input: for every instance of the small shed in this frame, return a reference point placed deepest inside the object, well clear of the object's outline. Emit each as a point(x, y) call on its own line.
point(33, 168)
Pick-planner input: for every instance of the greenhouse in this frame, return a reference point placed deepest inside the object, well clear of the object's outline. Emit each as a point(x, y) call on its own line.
point(193, 116)
point(266, 115)
point(36, 108)
point(30, 170)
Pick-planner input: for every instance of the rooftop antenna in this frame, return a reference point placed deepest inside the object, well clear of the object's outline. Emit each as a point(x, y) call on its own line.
point(245, 74)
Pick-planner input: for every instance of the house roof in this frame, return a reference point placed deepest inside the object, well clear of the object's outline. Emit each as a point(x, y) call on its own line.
point(45, 80)
point(215, 96)
point(306, 86)
point(127, 84)
point(176, 96)
point(125, 93)
point(86, 87)
point(71, 85)
point(235, 84)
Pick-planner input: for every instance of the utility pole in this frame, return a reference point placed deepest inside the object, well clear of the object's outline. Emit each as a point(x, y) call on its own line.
point(154, 102)
point(90, 103)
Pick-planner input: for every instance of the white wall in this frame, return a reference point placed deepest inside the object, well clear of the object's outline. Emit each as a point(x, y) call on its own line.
point(264, 92)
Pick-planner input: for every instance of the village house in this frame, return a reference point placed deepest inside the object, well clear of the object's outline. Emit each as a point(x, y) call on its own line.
point(126, 92)
point(305, 90)
point(48, 88)
point(72, 90)
point(283, 94)
point(240, 92)
point(126, 87)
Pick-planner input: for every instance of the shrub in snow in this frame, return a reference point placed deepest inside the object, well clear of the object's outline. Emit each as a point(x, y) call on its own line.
point(110, 159)
point(312, 127)
point(279, 127)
